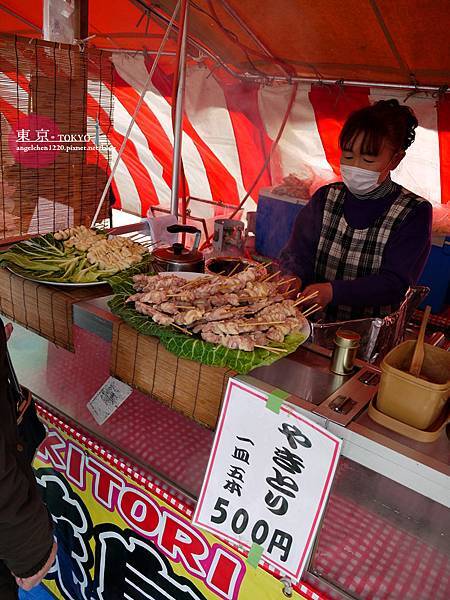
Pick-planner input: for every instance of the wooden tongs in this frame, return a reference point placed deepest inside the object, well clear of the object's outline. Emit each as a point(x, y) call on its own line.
point(419, 351)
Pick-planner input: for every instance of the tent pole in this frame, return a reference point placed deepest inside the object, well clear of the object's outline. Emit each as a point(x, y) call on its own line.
point(179, 109)
point(133, 118)
point(375, 84)
point(8, 11)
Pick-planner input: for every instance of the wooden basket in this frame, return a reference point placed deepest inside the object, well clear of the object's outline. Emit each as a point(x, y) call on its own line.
point(194, 389)
point(44, 309)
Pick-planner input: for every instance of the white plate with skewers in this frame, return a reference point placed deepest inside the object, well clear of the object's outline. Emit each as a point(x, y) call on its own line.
point(241, 315)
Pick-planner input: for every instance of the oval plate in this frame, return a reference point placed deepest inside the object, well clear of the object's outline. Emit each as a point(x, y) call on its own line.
point(57, 283)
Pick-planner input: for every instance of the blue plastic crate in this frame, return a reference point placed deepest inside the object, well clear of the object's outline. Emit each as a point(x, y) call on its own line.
point(275, 218)
point(436, 274)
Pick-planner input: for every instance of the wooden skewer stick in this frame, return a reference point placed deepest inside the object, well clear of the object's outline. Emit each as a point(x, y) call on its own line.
point(187, 307)
point(198, 281)
point(267, 323)
point(234, 269)
point(319, 308)
point(313, 309)
point(306, 298)
point(193, 282)
point(287, 292)
point(283, 281)
point(270, 349)
point(271, 276)
point(182, 329)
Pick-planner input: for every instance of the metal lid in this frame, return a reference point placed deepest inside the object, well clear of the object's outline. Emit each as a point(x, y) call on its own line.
point(177, 254)
point(346, 338)
point(230, 223)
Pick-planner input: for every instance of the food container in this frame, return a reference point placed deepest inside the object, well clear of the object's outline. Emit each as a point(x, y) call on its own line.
point(416, 401)
point(275, 218)
point(228, 237)
point(346, 344)
point(177, 257)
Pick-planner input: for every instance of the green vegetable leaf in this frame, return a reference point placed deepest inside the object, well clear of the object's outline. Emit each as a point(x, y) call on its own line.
point(43, 258)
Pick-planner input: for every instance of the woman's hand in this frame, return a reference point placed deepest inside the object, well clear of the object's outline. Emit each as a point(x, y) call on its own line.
point(8, 330)
point(324, 296)
point(28, 583)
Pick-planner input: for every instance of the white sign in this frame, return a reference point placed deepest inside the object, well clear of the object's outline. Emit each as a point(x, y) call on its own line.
point(108, 398)
point(268, 479)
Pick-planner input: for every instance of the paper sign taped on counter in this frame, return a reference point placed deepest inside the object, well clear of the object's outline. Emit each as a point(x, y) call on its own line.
point(108, 398)
point(268, 478)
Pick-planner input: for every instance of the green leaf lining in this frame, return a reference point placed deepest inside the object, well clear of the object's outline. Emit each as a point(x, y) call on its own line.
point(194, 348)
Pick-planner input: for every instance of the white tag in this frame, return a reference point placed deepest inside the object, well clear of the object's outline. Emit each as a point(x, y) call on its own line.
point(108, 398)
point(158, 229)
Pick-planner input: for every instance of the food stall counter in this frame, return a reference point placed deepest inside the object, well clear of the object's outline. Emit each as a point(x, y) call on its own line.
point(390, 498)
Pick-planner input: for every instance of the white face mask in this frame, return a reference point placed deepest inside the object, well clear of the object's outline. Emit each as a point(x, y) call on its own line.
point(359, 181)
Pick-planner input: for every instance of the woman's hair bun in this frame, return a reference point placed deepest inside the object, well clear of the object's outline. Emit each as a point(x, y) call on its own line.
point(386, 121)
point(406, 119)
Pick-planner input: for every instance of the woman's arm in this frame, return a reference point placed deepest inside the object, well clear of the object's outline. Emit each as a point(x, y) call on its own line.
point(299, 255)
point(403, 261)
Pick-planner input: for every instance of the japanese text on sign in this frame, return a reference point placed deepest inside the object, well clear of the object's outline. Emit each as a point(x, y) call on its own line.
point(268, 478)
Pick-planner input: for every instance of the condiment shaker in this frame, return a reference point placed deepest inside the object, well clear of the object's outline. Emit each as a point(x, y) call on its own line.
point(346, 344)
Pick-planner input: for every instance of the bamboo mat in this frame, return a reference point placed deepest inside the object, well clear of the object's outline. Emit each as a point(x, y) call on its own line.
point(194, 389)
point(44, 309)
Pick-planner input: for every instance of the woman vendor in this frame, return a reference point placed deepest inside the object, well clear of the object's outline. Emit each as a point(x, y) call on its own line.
point(361, 243)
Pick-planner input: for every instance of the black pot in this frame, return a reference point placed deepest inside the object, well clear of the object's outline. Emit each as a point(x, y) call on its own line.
point(179, 258)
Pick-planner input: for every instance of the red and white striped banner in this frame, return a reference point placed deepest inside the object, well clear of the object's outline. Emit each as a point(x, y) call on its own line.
point(228, 131)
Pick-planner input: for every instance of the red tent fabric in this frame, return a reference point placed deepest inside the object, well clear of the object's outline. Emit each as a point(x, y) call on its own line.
point(377, 40)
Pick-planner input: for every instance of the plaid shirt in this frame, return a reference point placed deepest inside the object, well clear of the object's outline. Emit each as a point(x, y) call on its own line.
point(345, 253)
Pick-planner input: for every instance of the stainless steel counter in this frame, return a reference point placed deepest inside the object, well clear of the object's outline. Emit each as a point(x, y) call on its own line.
point(422, 467)
point(305, 374)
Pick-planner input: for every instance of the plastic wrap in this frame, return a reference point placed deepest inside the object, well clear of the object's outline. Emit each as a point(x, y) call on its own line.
point(378, 336)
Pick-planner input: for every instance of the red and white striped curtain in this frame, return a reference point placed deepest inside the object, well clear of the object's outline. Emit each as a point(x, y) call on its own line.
point(229, 129)
point(228, 132)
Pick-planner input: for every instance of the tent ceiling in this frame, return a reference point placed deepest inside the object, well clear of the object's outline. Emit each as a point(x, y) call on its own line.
point(363, 40)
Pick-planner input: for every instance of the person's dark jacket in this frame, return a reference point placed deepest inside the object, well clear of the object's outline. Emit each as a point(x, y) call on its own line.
point(26, 537)
point(404, 257)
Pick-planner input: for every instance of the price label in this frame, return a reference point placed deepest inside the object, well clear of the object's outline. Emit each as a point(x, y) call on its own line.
point(107, 400)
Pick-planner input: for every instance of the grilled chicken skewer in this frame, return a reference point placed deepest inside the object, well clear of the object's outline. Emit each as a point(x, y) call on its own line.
point(241, 312)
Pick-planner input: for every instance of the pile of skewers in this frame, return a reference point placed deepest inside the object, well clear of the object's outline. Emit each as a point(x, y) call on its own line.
point(243, 312)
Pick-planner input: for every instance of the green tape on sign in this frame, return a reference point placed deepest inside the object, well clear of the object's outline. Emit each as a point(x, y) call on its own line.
point(254, 556)
point(275, 400)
